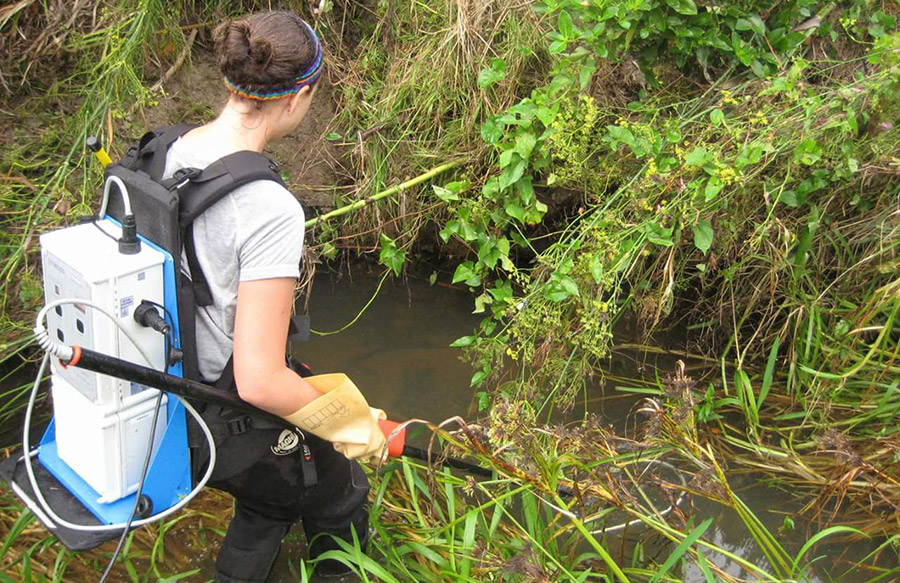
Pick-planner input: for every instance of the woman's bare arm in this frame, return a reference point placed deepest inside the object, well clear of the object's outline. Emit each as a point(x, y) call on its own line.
point(260, 332)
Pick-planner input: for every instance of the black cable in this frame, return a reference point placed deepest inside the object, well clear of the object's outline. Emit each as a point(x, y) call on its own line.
point(99, 228)
point(137, 495)
point(170, 337)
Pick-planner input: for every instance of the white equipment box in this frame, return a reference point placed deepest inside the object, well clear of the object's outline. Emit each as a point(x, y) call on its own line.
point(105, 449)
point(102, 423)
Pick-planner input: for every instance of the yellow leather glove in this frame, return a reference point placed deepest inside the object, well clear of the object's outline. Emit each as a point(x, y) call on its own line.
point(342, 416)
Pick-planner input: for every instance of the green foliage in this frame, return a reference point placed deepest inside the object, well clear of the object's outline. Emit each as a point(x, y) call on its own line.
point(712, 37)
point(46, 171)
point(390, 256)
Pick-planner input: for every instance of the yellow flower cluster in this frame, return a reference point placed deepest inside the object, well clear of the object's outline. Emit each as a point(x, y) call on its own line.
point(727, 98)
point(759, 118)
point(727, 175)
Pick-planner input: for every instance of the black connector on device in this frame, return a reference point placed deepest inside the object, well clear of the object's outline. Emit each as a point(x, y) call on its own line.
point(92, 143)
point(129, 244)
point(148, 316)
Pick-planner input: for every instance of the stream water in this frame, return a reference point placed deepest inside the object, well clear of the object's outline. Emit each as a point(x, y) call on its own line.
point(398, 353)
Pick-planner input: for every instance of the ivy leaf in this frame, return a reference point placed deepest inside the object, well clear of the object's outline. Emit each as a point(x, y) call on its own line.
point(808, 152)
point(458, 186)
point(569, 285)
point(480, 303)
point(620, 134)
point(713, 188)
point(512, 173)
point(463, 342)
point(658, 235)
point(696, 157)
point(525, 142)
point(560, 287)
point(703, 235)
point(546, 115)
point(555, 294)
point(525, 188)
point(686, 7)
point(390, 256)
point(491, 131)
point(501, 292)
point(450, 229)
point(466, 272)
point(791, 199)
point(515, 211)
point(488, 253)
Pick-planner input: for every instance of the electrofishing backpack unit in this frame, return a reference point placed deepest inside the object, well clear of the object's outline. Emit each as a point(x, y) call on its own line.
point(117, 284)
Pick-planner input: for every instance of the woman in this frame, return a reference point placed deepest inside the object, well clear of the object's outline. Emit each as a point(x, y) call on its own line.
point(248, 246)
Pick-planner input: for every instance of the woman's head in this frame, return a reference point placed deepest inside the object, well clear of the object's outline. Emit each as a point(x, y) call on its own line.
point(268, 55)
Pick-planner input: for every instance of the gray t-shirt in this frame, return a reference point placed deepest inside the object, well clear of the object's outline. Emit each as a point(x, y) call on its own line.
point(255, 232)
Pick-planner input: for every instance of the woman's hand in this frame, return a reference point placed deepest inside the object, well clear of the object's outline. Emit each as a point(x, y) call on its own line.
point(260, 335)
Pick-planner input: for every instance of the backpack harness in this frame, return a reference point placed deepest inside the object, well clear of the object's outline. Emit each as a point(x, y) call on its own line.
point(165, 210)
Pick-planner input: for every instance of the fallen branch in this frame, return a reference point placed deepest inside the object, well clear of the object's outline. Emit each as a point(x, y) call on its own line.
point(383, 194)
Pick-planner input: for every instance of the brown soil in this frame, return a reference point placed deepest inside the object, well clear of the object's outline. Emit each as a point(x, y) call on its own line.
point(196, 94)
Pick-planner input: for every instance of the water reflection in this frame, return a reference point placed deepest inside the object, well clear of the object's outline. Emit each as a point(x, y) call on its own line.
point(398, 352)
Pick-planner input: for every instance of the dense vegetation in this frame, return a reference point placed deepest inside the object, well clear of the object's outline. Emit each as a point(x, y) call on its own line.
point(725, 170)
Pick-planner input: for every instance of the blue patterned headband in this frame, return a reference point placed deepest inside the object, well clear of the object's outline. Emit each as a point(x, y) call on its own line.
point(268, 93)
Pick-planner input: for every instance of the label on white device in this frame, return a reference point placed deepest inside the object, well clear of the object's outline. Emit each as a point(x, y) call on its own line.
point(124, 305)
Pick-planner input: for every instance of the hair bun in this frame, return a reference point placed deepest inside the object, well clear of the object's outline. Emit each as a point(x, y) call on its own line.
point(264, 50)
point(233, 46)
point(261, 53)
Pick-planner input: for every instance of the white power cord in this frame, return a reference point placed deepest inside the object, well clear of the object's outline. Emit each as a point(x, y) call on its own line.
point(126, 200)
point(65, 352)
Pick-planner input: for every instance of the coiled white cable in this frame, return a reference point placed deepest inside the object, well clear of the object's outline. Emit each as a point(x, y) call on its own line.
point(670, 508)
point(627, 524)
point(54, 348)
point(126, 200)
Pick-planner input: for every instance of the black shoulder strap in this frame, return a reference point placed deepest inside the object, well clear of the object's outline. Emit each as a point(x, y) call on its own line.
point(199, 190)
point(149, 155)
point(218, 179)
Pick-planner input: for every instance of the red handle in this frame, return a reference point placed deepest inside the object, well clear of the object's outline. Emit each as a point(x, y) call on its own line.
point(396, 445)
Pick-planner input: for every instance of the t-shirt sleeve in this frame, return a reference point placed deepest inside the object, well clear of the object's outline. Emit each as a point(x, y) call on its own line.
point(270, 233)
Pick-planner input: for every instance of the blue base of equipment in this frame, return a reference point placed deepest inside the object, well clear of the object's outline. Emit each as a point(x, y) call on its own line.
point(168, 477)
